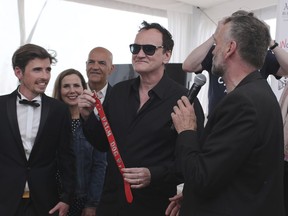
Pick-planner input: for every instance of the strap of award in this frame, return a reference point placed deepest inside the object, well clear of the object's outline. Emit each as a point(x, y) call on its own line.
point(113, 146)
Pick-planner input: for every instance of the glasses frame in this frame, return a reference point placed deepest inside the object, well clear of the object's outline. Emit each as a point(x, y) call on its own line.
point(148, 49)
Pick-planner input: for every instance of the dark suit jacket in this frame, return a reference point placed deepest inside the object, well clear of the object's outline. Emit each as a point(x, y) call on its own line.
point(52, 146)
point(236, 169)
point(109, 88)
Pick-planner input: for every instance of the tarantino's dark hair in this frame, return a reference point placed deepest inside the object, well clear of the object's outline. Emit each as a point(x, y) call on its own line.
point(168, 42)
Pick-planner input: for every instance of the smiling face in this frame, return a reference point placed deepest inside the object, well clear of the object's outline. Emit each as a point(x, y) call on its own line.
point(35, 77)
point(99, 66)
point(143, 63)
point(71, 88)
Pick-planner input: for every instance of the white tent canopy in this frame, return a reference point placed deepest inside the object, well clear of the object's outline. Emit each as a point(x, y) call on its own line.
point(59, 25)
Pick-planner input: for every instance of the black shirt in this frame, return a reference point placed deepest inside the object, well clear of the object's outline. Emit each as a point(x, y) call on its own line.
point(144, 138)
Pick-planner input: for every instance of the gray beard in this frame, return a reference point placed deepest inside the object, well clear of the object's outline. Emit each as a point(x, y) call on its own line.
point(217, 71)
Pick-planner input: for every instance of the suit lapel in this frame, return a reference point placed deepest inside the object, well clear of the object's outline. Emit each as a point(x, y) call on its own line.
point(12, 116)
point(44, 115)
point(109, 88)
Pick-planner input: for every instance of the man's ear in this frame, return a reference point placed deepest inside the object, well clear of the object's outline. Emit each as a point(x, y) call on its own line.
point(231, 49)
point(167, 56)
point(18, 73)
point(112, 69)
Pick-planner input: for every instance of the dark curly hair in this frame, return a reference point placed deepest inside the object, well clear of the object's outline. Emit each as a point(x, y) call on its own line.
point(168, 42)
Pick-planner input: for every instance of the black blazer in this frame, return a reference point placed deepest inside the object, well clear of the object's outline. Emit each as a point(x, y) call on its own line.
point(236, 168)
point(108, 91)
point(52, 146)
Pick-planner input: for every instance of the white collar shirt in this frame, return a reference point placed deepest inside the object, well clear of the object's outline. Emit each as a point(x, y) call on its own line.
point(101, 93)
point(28, 120)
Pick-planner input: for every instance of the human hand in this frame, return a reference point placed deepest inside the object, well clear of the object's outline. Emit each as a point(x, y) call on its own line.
point(184, 117)
point(86, 103)
point(61, 207)
point(139, 177)
point(175, 205)
point(89, 211)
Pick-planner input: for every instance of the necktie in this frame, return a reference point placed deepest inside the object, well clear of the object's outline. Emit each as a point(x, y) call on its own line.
point(99, 95)
point(32, 103)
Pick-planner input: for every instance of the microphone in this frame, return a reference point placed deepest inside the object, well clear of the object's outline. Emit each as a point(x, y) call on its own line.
point(199, 81)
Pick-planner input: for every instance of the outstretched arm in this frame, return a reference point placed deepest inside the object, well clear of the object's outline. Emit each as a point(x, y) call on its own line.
point(282, 58)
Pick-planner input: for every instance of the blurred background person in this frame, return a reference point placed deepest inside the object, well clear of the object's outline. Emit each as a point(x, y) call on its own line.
point(99, 66)
point(284, 109)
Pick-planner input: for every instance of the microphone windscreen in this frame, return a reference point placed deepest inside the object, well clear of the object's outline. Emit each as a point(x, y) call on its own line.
point(200, 79)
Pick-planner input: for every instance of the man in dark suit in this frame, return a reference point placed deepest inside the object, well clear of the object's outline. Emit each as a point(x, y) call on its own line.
point(34, 141)
point(236, 167)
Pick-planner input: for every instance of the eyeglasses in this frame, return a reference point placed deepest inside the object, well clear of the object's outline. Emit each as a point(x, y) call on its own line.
point(148, 49)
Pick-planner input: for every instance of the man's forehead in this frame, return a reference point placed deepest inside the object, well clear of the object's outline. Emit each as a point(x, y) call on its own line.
point(149, 36)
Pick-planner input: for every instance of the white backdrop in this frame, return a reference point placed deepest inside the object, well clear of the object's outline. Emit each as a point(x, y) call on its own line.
point(72, 29)
point(69, 28)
